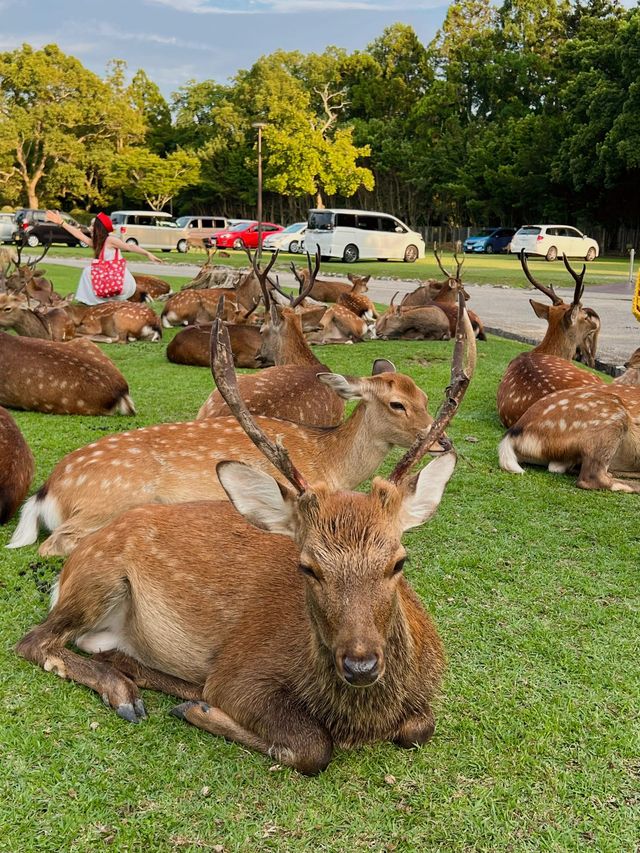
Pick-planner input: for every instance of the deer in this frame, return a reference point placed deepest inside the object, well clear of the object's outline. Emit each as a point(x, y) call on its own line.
point(28, 279)
point(330, 291)
point(290, 390)
point(72, 378)
point(287, 626)
point(16, 467)
point(339, 325)
point(52, 324)
point(149, 288)
point(116, 322)
point(171, 463)
point(548, 367)
point(425, 323)
point(192, 346)
point(631, 376)
point(356, 301)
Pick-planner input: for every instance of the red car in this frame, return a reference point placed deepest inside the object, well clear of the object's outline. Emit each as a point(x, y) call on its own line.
point(244, 234)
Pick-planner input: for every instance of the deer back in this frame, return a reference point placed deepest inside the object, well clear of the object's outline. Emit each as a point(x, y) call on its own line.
point(423, 323)
point(189, 307)
point(631, 376)
point(16, 467)
point(150, 285)
point(192, 346)
point(326, 291)
point(119, 321)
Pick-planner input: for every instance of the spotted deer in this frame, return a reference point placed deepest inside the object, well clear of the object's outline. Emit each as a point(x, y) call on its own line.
point(631, 376)
point(339, 325)
point(16, 467)
point(324, 290)
point(73, 378)
point(149, 288)
point(428, 322)
point(116, 322)
point(287, 626)
point(172, 463)
point(356, 301)
point(192, 346)
point(29, 321)
point(291, 389)
point(548, 367)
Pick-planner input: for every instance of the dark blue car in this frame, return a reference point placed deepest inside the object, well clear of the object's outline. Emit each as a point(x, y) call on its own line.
point(489, 240)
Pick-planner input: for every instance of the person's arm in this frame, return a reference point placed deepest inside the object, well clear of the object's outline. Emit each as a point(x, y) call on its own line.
point(56, 218)
point(131, 247)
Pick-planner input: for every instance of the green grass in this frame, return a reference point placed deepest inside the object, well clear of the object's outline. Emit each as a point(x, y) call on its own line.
point(534, 586)
point(478, 269)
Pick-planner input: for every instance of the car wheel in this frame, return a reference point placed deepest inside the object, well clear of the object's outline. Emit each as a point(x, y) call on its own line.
point(411, 254)
point(83, 245)
point(131, 242)
point(488, 249)
point(350, 254)
point(552, 254)
point(182, 246)
point(238, 244)
point(165, 250)
point(294, 247)
point(591, 254)
point(382, 260)
point(33, 241)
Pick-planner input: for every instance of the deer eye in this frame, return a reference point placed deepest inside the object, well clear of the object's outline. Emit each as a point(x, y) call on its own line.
point(396, 406)
point(399, 566)
point(308, 571)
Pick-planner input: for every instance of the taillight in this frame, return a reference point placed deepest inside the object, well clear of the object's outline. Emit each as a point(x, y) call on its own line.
point(539, 237)
point(123, 229)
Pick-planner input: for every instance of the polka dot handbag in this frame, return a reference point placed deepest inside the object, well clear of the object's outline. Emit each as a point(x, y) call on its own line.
point(107, 277)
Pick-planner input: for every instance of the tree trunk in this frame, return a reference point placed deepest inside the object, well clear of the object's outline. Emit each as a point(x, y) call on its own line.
point(319, 201)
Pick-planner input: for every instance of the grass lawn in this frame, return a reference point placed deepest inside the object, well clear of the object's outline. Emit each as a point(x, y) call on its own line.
point(478, 269)
point(534, 586)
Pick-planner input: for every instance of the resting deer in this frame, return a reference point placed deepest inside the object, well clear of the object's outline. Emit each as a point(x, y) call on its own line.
point(192, 346)
point(330, 291)
point(428, 323)
point(290, 390)
point(287, 626)
point(356, 301)
point(53, 324)
point(149, 288)
point(548, 368)
point(171, 463)
point(631, 376)
point(16, 467)
point(28, 279)
point(116, 322)
point(73, 378)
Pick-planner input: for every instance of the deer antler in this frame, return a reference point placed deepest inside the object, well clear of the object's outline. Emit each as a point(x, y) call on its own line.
point(33, 264)
point(263, 275)
point(548, 291)
point(225, 378)
point(462, 369)
point(577, 277)
point(459, 264)
point(306, 287)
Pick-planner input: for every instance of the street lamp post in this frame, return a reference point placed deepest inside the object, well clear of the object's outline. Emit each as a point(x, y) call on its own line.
point(259, 125)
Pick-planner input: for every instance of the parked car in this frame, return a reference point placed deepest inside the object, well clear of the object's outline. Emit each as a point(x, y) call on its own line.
point(31, 225)
point(203, 227)
point(353, 234)
point(7, 227)
point(289, 240)
point(551, 241)
point(489, 240)
point(245, 235)
point(151, 229)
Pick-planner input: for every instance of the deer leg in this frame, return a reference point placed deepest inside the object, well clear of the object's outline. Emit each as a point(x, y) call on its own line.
point(65, 537)
point(416, 730)
point(289, 735)
point(148, 678)
point(594, 474)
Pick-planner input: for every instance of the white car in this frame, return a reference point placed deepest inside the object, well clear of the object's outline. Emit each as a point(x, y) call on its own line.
point(351, 235)
point(552, 241)
point(289, 240)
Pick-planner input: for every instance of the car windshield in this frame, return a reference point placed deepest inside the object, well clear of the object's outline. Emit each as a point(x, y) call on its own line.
point(297, 226)
point(528, 230)
point(320, 220)
point(183, 221)
point(240, 226)
point(483, 232)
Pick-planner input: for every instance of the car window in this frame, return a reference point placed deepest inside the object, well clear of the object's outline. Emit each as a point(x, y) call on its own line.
point(323, 220)
point(368, 223)
point(572, 232)
point(206, 223)
point(144, 220)
point(39, 216)
point(528, 231)
point(219, 223)
point(239, 226)
point(346, 220)
point(387, 224)
point(194, 223)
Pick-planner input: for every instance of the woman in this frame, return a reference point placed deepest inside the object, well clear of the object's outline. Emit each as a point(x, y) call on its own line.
point(102, 238)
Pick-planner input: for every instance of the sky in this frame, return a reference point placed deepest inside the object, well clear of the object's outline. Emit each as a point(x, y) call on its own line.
point(179, 40)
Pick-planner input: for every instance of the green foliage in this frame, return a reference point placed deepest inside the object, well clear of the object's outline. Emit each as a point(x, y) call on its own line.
point(141, 174)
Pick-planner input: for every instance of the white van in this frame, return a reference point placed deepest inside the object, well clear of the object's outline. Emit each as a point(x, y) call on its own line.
point(151, 229)
point(354, 234)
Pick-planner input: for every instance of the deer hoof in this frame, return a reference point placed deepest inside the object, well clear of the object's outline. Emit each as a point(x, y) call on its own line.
point(133, 713)
point(180, 711)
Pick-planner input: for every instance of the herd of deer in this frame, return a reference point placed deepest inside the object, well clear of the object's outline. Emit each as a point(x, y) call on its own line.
point(287, 625)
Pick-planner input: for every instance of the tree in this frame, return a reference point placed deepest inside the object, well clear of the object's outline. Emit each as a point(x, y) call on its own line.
point(141, 174)
point(148, 101)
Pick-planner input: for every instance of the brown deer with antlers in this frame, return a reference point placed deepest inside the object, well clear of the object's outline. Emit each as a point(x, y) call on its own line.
point(171, 463)
point(73, 378)
point(548, 367)
point(29, 321)
point(16, 467)
point(324, 290)
point(290, 390)
point(321, 641)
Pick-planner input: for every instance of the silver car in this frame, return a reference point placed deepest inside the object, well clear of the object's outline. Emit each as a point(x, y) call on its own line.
point(7, 227)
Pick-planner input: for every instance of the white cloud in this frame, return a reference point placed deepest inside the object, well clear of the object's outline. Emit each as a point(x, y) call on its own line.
point(284, 7)
point(110, 32)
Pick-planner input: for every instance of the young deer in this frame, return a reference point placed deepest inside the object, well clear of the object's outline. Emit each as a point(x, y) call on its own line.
point(116, 322)
point(356, 301)
point(428, 323)
point(73, 378)
point(16, 467)
point(548, 368)
point(171, 463)
point(149, 288)
point(289, 632)
point(290, 390)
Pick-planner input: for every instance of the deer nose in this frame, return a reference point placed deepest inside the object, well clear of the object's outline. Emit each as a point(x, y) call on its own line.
point(361, 671)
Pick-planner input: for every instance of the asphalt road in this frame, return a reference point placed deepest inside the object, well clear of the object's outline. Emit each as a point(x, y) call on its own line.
point(504, 311)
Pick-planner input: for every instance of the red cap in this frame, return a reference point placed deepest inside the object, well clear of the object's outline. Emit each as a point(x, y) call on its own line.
point(104, 219)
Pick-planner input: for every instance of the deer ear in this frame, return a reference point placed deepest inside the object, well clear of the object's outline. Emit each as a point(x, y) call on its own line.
point(382, 365)
point(260, 499)
point(541, 310)
point(421, 494)
point(347, 387)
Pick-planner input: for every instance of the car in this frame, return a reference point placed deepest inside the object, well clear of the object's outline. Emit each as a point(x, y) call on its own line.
point(7, 227)
point(489, 240)
point(202, 227)
point(32, 228)
point(552, 241)
point(244, 235)
point(289, 240)
point(351, 235)
point(151, 229)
